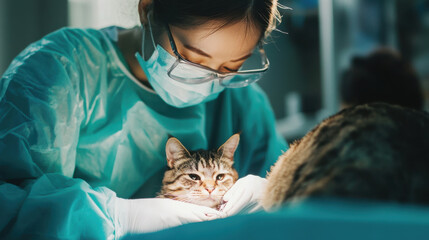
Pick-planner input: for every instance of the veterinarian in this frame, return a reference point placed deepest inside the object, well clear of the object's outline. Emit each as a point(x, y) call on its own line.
point(85, 115)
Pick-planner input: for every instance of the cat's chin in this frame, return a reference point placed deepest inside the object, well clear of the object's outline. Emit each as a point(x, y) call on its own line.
point(208, 202)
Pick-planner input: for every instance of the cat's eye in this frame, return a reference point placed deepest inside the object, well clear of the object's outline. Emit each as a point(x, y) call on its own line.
point(220, 177)
point(194, 177)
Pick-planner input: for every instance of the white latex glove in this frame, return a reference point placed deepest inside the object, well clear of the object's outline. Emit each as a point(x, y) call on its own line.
point(244, 196)
point(153, 214)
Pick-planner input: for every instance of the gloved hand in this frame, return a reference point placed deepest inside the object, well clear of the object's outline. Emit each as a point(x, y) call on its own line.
point(244, 196)
point(153, 214)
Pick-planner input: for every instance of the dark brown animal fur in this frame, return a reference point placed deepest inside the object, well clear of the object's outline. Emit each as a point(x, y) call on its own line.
point(375, 151)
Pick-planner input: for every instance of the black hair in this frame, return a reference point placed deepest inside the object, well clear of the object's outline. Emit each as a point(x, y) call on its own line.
point(382, 76)
point(189, 13)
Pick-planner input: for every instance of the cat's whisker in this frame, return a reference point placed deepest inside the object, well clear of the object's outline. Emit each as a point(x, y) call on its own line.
point(199, 171)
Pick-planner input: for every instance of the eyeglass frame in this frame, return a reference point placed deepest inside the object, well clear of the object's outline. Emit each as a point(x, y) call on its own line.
point(216, 74)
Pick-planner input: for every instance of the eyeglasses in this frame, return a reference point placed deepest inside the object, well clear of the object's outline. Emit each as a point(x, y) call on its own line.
point(188, 72)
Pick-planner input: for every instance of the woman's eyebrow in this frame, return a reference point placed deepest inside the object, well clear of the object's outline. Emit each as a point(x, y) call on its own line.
point(201, 52)
point(242, 58)
point(196, 50)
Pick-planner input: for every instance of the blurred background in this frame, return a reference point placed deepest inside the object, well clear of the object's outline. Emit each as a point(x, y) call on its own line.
point(306, 63)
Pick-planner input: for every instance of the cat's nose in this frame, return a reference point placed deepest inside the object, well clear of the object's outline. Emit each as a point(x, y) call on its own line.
point(210, 189)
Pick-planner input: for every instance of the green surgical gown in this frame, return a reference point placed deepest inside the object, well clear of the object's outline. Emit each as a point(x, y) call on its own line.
point(78, 130)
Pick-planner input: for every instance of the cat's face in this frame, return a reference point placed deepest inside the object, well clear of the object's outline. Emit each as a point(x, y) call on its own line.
point(199, 177)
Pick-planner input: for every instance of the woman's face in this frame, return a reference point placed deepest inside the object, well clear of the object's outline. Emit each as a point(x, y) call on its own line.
point(224, 49)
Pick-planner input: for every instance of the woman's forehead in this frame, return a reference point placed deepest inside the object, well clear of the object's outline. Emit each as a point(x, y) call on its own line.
point(229, 41)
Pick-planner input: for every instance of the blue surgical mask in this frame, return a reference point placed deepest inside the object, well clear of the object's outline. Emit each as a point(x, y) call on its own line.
point(174, 93)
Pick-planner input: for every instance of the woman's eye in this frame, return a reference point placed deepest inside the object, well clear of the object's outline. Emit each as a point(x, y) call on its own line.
point(220, 177)
point(190, 58)
point(194, 177)
point(230, 69)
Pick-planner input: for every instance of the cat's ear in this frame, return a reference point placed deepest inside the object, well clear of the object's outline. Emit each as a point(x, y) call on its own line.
point(228, 148)
point(174, 150)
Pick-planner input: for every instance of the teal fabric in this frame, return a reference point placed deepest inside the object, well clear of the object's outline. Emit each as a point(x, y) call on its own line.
point(314, 219)
point(77, 129)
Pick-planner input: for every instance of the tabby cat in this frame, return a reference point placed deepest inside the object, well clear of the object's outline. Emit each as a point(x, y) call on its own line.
point(375, 151)
point(201, 177)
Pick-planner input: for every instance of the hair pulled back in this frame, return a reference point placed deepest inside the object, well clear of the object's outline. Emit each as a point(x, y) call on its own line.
point(190, 13)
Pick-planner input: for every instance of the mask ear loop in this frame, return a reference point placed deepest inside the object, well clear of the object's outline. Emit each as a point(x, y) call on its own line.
point(144, 29)
point(149, 16)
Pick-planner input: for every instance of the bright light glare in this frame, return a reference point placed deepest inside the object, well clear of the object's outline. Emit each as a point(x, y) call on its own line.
point(103, 13)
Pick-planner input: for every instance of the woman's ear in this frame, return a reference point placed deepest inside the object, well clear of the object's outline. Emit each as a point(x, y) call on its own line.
point(144, 6)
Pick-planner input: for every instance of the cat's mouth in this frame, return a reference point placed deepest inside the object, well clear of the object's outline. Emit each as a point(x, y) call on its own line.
point(212, 198)
point(209, 201)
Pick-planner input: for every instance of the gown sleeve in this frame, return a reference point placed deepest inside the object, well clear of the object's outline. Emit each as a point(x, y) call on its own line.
point(40, 117)
point(261, 144)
